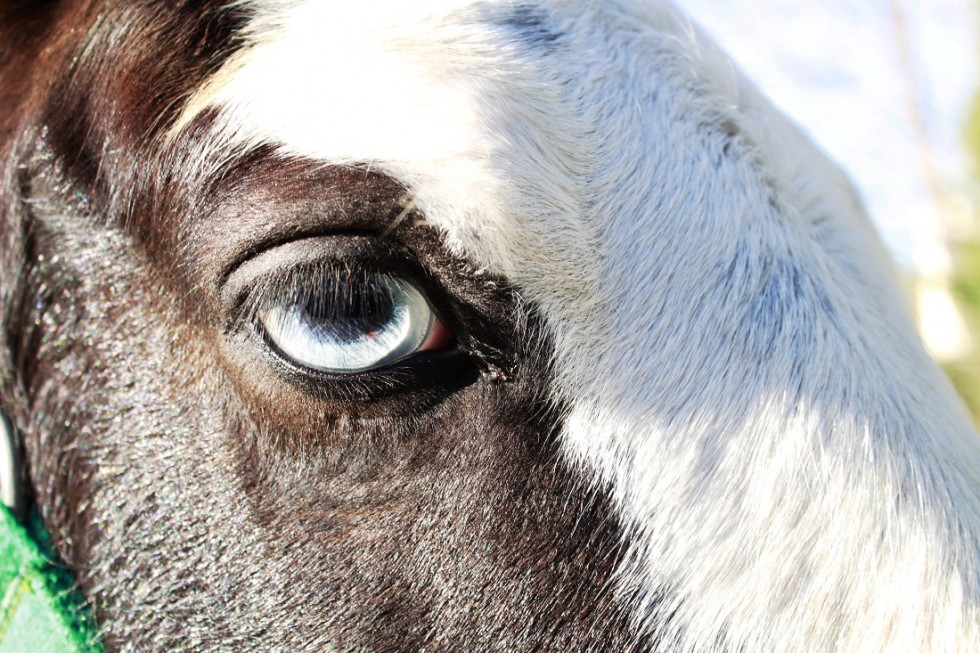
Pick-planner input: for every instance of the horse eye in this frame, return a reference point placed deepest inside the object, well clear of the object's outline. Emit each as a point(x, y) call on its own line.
point(349, 323)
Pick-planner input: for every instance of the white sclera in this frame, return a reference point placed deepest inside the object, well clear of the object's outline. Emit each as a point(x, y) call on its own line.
point(320, 346)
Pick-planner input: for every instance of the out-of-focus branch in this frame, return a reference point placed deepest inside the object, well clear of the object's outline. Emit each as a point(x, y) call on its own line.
point(940, 321)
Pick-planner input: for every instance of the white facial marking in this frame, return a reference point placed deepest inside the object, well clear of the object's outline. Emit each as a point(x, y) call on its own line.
point(737, 366)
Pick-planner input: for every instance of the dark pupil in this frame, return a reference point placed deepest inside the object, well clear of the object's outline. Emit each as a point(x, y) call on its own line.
point(347, 310)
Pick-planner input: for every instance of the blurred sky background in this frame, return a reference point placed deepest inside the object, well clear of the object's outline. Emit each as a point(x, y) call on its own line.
point(887, 88)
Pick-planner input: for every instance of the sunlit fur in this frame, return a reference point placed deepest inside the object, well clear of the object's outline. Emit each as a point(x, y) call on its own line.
point(738, 366)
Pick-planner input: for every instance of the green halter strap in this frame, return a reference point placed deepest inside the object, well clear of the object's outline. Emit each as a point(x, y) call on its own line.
point(39, 610)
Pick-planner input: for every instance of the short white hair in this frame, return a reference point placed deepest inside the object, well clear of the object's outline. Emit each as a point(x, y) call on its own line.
point(794, 473)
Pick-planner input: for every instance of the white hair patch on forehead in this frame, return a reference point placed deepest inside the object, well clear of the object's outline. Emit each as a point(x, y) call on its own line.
point(411, 91)
point(737, 366)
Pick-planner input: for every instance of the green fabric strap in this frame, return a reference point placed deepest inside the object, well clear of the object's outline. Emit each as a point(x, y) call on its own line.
point(39, 611)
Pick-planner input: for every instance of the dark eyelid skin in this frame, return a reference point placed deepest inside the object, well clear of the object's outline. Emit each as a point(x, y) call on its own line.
point(246, 216)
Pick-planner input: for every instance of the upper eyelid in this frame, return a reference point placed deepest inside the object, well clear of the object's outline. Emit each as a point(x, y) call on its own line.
point(281, 259)
point(262, 199)
point(281, 270)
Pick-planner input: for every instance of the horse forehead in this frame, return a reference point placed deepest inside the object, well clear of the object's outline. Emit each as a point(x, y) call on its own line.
point(472, 106)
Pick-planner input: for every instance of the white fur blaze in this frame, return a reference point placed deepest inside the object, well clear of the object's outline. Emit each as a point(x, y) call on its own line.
point(738, 367)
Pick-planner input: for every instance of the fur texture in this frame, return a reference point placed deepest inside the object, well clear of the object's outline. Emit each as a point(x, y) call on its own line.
point(689, 411)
